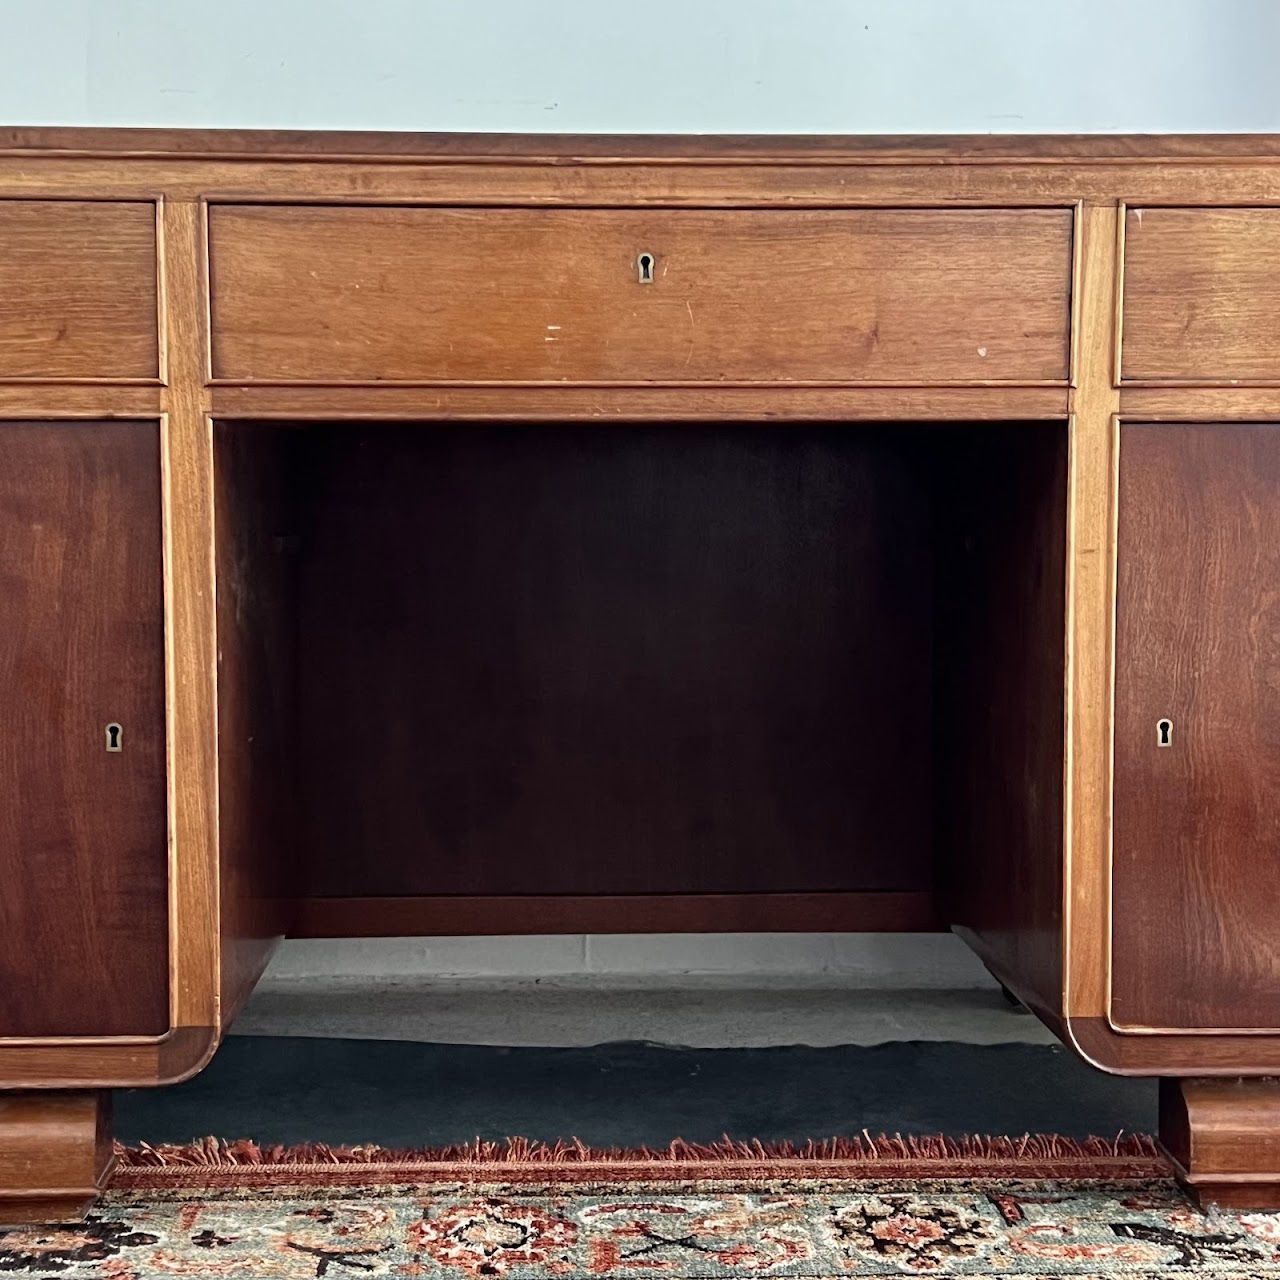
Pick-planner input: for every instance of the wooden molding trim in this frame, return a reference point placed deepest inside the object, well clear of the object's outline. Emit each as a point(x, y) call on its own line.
point(31, 401)
point(1180, 1053)
point(1200, 404)
point(102, 1064)
point(709, 402)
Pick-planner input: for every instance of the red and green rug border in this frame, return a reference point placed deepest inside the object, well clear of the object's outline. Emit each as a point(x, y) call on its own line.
point(214, 1163)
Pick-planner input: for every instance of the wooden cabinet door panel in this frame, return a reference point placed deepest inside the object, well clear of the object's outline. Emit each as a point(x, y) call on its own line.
point(1196, 940)
point(83, 862)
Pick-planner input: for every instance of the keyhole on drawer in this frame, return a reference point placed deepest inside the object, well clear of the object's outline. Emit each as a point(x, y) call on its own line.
point(644, 267)
point(1164, 733)
point(115, 738)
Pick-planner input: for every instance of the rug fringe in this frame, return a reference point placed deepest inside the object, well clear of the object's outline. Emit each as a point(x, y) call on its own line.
point(1030, 1149)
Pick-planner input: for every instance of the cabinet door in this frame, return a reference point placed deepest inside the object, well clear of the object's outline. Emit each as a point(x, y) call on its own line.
point(83, 864)
point(1196, 939)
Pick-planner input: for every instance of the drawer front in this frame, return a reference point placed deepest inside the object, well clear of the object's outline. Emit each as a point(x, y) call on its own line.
point(1201, 296)
point(358, 294)
point(78, 291)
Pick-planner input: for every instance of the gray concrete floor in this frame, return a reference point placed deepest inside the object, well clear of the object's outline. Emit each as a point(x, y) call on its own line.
point(697, 1012)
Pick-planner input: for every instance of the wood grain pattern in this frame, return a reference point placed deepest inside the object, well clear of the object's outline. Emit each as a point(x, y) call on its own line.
point(647, 182)
point(999, 679)
point(1197, 824)
point(627, 172)
point(191, 630)
point(343, 146)
point(1202, 295)
point(1170, 1053)
point(707, 403)
point(1200, 404)
point(445, 916)
point(55, 1155)
point(559, 659)
point(68, 1063)
point(77, 290)
point(1224, 1136)
point(68, 402)
point(329, 294)
point(84, 913)
point(1091, 622)
point(705, 178)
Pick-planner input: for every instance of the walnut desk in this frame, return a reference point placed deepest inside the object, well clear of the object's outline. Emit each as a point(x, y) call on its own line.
point(449, 534)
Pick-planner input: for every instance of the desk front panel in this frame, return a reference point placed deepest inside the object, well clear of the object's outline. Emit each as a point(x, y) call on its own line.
point(363, 280)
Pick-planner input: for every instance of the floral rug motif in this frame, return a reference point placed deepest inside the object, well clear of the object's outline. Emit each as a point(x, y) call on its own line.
point(706, 1227)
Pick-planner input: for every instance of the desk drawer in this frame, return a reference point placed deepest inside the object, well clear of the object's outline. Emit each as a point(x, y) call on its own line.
point(1201, 295)
point(78, 290)
point(361, 294)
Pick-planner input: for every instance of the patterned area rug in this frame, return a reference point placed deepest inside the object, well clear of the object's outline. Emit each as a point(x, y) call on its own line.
point(230, 1210)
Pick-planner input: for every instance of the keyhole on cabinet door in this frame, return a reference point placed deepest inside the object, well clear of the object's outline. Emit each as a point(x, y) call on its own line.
point(115, 738)
point(644, 265)
point(1164, 733)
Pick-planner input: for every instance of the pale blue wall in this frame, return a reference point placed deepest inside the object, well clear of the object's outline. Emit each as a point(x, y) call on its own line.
point(646, 65)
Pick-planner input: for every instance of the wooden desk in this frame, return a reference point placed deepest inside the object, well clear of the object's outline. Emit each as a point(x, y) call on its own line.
point(423, 534)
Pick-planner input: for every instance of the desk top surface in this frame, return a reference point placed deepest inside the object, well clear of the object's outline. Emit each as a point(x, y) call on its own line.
point(670, 148)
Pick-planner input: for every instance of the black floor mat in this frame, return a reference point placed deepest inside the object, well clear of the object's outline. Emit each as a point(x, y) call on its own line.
point(402, 1094)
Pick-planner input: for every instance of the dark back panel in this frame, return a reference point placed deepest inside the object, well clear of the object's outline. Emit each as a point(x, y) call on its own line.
point(1197, 823)
point(83, 862)
point(619, 659)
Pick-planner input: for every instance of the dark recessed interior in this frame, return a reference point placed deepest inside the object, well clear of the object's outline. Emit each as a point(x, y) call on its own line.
point(639, 659)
